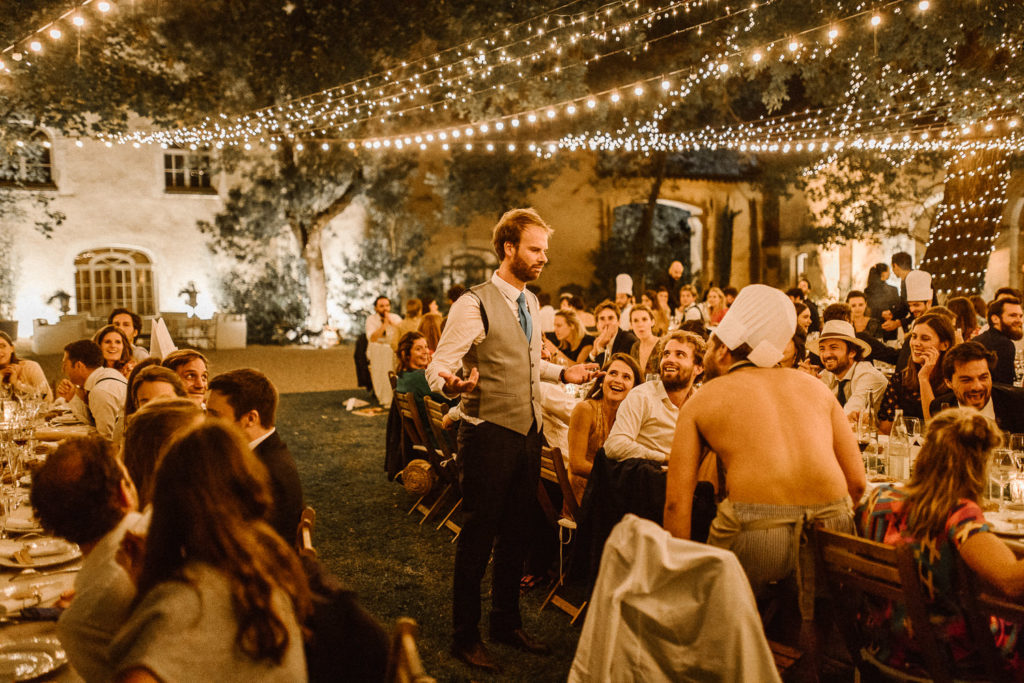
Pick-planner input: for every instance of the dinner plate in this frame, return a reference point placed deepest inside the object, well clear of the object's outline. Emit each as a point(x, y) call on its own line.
point(24, 659)
point(73, 552)
point(1003, 524)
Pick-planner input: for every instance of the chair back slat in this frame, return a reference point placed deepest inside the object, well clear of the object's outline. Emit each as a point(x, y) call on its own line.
point(404, 663)
point(980, 602)
point(392, 379)
point(570, 504)
point(855, 568)
point(547, 467)
point(304, 533)
point(435, 420)
point(411, 419)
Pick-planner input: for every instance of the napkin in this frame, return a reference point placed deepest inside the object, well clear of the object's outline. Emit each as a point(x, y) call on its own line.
point(16, 598)
point(43, 547)
point(160, 343)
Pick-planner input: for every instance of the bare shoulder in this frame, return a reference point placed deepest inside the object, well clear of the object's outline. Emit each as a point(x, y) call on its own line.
point(584, 410)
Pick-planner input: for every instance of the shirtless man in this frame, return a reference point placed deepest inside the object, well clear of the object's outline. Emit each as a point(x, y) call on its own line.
point(790, 457)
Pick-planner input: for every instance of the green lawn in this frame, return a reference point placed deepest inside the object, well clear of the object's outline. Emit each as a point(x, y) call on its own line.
point(398, 567)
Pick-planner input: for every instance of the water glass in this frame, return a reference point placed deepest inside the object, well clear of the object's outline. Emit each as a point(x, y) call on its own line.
point(913, 430)
point(1001, 467)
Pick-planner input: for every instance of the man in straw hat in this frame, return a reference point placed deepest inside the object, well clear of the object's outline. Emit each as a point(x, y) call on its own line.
point(854, 381)
point(790, 456)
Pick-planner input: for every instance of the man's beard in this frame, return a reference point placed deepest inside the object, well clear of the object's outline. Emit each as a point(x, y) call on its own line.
point(1013, 333)
point(839, 368)
point(676, 381)
point(521, 270)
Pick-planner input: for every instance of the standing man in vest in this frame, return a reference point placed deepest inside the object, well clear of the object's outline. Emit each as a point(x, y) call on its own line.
point(493, 338)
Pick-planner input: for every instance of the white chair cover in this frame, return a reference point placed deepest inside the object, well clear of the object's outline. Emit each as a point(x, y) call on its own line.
point(665, 609)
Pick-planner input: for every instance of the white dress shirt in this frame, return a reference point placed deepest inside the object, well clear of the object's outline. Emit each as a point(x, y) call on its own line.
point(864, 380)
point(106, 389)
point(465, 328)
point(547, 319)
point(644, 425)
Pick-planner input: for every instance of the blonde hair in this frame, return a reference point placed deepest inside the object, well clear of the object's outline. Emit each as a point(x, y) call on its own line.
point(951, 466)
point(578, 331)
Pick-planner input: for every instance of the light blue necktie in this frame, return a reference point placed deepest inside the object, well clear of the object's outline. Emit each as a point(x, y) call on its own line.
point(524, 317)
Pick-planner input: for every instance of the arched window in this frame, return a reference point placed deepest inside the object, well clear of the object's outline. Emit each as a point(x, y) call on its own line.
point(30, 164)
point(469, 268)
point(109, 278)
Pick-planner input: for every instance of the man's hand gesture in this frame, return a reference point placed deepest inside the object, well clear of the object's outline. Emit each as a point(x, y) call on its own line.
point(455, 385)
point(582, 373)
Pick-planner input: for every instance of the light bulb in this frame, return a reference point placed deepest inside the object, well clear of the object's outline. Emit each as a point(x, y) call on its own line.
point(78, 21)
point(36, 46)
point(103, 6)
point(55, 33)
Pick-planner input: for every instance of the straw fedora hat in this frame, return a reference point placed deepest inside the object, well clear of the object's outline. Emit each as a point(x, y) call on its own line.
point(840, 329)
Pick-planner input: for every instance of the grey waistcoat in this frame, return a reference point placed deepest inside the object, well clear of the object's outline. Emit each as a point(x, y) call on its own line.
point(508, 393)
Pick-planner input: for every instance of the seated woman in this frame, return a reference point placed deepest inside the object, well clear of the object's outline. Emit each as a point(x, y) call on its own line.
point(150, 429)
point(148, 381)
point(221, 596)
point(570, 343)
point(131, 324)
point(966, 321)
point(938, 514)
point(714, 307)
point(860, 317)
point(641, 320)
point(593, 417)
point(23, 376)
point(413, 359)
point(921, 381)
point(116, 348)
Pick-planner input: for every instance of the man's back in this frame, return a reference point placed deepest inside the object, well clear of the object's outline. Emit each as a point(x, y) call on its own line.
point(785, 446)
point(1002, 345)
point(284, 484)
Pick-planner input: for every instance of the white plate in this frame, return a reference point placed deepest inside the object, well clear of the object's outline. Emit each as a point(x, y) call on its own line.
point(72, 553)
point(1004, 527)
point(26, 658)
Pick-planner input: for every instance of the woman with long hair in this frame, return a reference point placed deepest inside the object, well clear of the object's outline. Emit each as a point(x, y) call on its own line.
point(803, 316)
point(413, 359)
point(116, 348)
point(150, 429)
point(914, 389)
point(150, 381)
point(714, 307)
point(593, 417)
point(430, 328)
point(662, 311)
point(220, 595)
point(23, 376)
point(641, 321)
point(966, 320)
point(939, 514)
point(571, 343)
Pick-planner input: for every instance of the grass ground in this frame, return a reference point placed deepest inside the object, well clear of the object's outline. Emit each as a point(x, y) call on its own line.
point(398, 567)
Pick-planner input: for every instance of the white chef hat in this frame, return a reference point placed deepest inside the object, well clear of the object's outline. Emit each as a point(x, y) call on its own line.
point(763, 318)
point(623, 284)
point(919, 286)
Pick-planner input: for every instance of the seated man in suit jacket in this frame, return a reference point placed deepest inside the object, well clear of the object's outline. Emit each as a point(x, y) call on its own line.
point(247, 398)
point(967, 368)
point(611, 339)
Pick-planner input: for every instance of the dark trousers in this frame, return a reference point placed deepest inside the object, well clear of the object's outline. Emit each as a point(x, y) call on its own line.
point(498, 470)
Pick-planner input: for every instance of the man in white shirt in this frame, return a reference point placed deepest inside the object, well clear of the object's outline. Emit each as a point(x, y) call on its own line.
point(688, 308)
point(492, 336)
point(84, 494)
point(646, 421)
point(382, 336)
point(854, 381)
point(95, 394)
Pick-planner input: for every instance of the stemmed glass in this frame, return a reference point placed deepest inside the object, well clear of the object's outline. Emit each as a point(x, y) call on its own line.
point(913, 430)
point(1002, 465)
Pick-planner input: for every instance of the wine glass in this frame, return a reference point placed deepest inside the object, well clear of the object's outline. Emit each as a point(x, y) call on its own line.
point(913, 430)
point(1002, 465)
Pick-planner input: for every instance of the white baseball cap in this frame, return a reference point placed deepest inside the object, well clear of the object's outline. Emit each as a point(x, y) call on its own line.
point(763, 318)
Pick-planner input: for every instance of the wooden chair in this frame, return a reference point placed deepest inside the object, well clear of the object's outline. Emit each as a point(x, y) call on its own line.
point(435, 416)
point(980, 601)
point(416, 432)
point(404, 664)
point(854, 569)
point(552, 468)
point(393, 379)
point(304, 533)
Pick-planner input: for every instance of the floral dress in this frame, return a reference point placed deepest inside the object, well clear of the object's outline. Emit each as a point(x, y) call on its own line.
point(882, 518)
point(898, 396)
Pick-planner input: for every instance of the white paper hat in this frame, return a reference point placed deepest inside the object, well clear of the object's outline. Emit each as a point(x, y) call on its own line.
point(623, 284)
point(763, 318)
point(919, 286)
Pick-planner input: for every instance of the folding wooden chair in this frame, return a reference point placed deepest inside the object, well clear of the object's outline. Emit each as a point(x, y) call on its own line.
point(435, 416)
point(404, 663)
point(414, 429)
point(304, 533)
point(854, 569)
point(552, 468)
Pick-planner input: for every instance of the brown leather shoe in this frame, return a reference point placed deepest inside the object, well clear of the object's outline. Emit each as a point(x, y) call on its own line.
point(477, 656)
point(521, 640)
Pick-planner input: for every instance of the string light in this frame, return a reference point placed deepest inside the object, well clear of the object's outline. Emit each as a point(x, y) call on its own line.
point(52, 30)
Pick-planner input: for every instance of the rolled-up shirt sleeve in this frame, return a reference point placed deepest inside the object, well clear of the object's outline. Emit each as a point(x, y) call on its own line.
point(464, 328)
point(866, 384)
